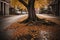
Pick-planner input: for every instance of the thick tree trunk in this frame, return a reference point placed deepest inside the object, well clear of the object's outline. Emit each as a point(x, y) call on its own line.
point(32, 18)
point(31, 11)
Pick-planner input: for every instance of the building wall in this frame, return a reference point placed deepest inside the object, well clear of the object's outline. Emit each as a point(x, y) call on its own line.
point(4, 8)
point(55, 7)
point(59, 7)
point(0, 6)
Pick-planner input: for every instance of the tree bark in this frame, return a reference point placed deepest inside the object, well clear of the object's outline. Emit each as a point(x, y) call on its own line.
point(31, 11)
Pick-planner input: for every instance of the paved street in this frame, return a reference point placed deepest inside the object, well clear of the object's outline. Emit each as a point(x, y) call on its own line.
point(5, 22)
point(49, 17)
point(46, 16)
point(9, 20)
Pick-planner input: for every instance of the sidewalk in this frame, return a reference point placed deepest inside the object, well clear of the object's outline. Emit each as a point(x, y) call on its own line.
point(6, 16)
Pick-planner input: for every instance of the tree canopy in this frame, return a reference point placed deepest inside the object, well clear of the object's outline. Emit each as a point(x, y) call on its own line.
point(38, 3)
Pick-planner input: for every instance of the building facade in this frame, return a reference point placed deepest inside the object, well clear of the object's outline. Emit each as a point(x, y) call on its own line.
point(4, 7)
point(59, 6)
point(55, 7)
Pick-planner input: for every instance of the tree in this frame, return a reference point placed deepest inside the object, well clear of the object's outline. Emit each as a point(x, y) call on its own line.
point(31, 14)
point(31, 10)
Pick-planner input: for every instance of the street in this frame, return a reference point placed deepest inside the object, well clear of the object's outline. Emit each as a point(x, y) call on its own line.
point(5, 22)
point(8, 21)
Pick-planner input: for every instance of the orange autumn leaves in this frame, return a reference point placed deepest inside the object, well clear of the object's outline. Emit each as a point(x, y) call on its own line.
point(38, 3)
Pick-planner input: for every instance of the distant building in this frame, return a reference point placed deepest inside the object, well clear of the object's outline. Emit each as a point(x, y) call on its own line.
point(59, 7)
point(55, 7)
point(4, 7)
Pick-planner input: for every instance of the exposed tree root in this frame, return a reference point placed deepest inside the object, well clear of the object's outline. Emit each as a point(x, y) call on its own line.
point(28, 20)
point(38, 22)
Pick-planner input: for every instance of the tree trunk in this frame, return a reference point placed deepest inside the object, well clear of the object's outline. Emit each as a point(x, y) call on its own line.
point(31, 14)
point(31, 11)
